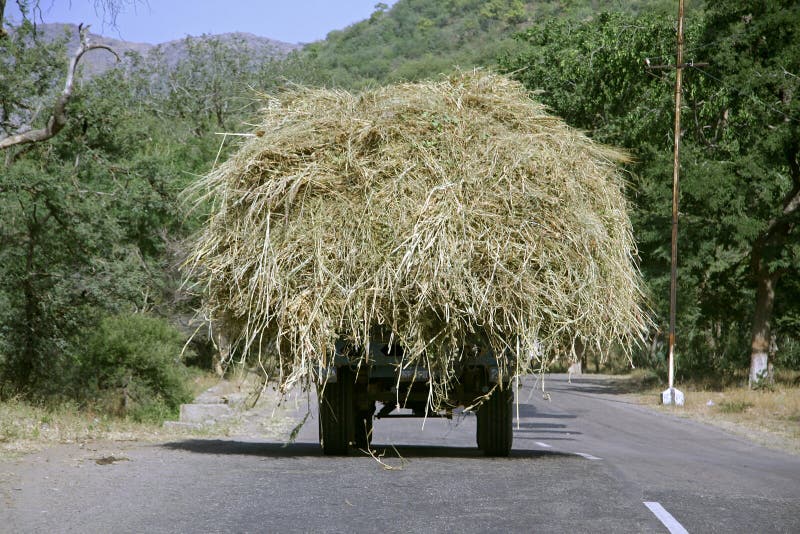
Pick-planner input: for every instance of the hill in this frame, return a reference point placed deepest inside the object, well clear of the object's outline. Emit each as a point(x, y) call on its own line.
point(173, 51)
point(416, 39)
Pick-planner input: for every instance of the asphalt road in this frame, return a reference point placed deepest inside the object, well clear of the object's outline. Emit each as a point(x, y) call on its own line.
point(584, 461)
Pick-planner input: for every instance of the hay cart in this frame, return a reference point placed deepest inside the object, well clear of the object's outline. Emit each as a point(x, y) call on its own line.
point(348, 399)
point(453, 213)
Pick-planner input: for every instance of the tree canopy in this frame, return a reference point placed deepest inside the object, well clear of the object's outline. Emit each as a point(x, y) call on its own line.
point(739, 158)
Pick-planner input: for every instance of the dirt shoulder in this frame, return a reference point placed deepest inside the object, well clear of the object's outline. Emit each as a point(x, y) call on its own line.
point(770, 418)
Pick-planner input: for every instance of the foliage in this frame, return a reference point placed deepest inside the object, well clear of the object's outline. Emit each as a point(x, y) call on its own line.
point(63, 260)
point(418, 39)
point(738, 152)
point(90, 221)
point(131, 362)
point(83, 218)
point(29, 72)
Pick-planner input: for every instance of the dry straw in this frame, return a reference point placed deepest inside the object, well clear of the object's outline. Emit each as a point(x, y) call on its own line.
point(453, 214)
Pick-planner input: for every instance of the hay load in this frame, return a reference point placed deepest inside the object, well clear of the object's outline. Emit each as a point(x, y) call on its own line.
point(451, 214)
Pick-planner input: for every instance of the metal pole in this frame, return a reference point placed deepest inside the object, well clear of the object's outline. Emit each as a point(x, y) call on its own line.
point(673, 290)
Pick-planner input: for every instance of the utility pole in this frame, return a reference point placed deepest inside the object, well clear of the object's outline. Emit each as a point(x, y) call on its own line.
point(673, 395)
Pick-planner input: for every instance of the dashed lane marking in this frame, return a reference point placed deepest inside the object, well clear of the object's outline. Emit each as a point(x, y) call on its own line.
point(666, 518)
point(587, 456)
point(545, 445)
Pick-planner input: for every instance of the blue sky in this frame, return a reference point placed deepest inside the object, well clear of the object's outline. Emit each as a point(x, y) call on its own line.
point(157, 21)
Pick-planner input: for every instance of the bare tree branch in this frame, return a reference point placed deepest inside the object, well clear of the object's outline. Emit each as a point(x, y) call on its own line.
point(58, 118)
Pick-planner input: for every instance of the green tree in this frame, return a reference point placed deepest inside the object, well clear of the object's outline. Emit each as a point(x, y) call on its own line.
point(18, 52)
point(208, 85)
point(754, 48)
point(90, 222)
point(28, 76)
point(418, 39)
point(739, 158)
point(131, 367)
point(82, 216)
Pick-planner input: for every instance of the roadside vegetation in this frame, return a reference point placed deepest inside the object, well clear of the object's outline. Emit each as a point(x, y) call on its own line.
point(27, 425)
point(95, 313)
point(768, 415)
point(94, 316)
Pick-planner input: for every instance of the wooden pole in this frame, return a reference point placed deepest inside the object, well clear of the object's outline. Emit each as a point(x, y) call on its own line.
point(673, 289)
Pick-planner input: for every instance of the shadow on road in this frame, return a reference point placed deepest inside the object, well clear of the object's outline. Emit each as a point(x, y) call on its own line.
point(544, 425)
point(529, 410)
point(296, 450)
point(548, 437)
point(606, 389)
point(245, 448)
point(538, 425)
point(606, 385)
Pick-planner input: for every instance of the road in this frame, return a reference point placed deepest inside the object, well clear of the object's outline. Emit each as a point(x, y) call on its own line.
point(584, 461)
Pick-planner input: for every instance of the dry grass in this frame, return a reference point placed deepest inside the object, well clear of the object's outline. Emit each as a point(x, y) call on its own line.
point(26, 427)
point(454, 216)
point(204, 381)
point(769, 417)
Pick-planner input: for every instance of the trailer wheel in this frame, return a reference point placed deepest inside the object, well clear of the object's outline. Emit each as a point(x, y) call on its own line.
point(495, 433)
point(336, 414)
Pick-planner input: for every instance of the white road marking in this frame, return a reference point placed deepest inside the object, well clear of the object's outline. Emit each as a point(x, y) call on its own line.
point(666, 518)
point(587, 456)
point(545, 445)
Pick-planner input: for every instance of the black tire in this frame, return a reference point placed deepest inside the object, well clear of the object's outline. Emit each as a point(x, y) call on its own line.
point(336, 414)
point(363, 430)
point(495, 434)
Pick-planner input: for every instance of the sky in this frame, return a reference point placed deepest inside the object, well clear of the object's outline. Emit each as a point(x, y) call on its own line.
point(158, 21)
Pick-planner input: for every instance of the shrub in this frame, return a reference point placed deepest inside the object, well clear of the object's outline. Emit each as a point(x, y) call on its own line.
point(132, 367)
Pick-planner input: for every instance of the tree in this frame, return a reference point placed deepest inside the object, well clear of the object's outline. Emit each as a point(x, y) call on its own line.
point(80, 222)
point(28, 76)
point(739, 187)
point(755, 73)
point(90, 223)
point(58, 117)
point(592, 74)
point(27, 31)
point(210, 85)
point(82, 213)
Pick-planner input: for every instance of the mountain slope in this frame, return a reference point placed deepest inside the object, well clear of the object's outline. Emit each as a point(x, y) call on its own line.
point(97, 62)
point(418, 38)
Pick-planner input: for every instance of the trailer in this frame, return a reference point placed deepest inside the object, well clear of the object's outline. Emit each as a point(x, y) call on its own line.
point(357, 381)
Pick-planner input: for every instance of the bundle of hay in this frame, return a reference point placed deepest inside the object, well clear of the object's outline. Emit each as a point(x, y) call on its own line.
point(453, 214)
